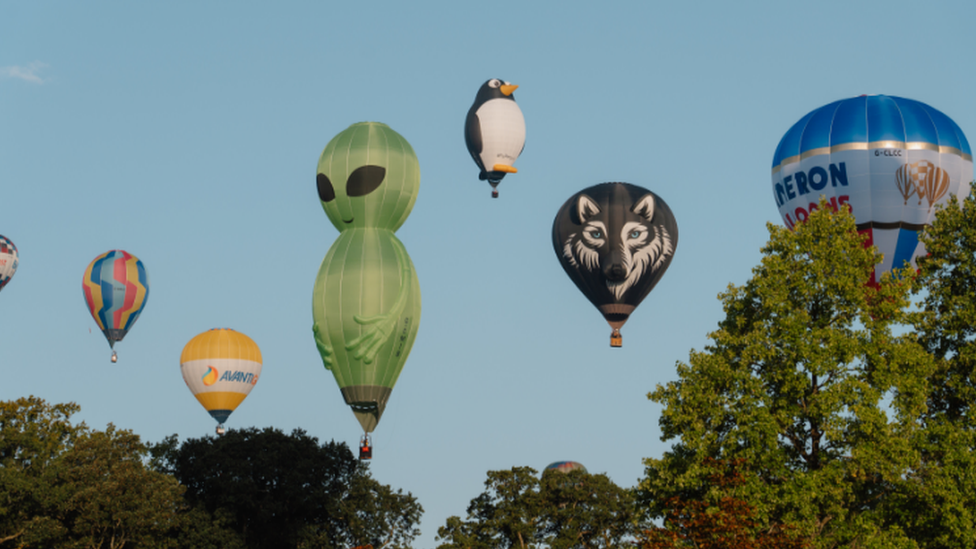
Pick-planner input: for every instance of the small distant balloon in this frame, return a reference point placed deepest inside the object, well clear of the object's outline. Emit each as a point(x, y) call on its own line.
point(220, 367)
point(116, 288)
point(566, 466)
point(9, 260)
point(494, 131)
point(892, 160)
point(615, 241)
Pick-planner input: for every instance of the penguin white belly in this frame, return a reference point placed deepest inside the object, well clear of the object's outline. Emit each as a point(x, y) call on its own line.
point(502, 132)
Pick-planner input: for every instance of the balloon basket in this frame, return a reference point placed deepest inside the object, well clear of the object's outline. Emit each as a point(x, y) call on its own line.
point(220, 429)
point(115, 357)
point(494, 193)
point(616, 340)
point(365, 448)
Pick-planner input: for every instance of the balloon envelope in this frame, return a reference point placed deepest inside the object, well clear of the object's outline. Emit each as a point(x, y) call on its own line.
point(566, 466)
point(368, 176)
point(366, 309)
point(220, 367)
point(615, 241)
point(891, 159)
point(9, 260)
point(116, 288)
point(494, 131)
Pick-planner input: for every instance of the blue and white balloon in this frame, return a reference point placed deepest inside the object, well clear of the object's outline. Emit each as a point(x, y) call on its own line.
point(892, 160)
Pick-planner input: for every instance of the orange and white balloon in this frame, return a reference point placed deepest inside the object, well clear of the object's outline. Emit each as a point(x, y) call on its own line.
point(220, 366)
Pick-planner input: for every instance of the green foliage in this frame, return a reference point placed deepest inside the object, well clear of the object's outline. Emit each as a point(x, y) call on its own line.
point(65, 486)
point(806, 382)
point(278, 490)
point(560, 511)
point(939, 501)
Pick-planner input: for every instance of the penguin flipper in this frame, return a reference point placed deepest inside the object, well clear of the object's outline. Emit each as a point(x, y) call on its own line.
point(472, 134)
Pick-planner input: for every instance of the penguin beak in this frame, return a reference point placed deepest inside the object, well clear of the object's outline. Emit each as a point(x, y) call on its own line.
point(507, 89)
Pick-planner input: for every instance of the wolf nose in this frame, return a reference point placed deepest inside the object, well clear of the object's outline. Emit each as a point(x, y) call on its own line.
point(615, 272)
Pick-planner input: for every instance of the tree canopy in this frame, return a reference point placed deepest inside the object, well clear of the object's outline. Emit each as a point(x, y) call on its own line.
point(518, 509)
point(810, 382)
point(287, 490)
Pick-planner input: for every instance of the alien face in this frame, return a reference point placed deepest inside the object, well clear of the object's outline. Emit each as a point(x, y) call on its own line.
point(368, 176)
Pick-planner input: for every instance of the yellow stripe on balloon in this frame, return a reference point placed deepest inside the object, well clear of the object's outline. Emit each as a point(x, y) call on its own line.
point(132, 277)
point(221, 343)
point(220, 400)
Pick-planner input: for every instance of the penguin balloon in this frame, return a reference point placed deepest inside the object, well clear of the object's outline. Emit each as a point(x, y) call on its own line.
point(495, 131)
point(615, 240)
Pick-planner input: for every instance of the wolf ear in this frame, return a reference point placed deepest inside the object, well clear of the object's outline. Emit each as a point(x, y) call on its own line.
point(645, 207)
point(585, 208)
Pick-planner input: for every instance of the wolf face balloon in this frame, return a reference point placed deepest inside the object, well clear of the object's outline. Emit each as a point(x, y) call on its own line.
point(366, 300)
point(615, 240)
point(368, 176)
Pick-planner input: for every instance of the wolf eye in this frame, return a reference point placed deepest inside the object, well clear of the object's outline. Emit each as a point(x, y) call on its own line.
point(595, 234)
point(635, 233)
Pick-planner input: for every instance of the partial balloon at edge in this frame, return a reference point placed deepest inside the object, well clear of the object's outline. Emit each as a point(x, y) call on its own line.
point(566, 466)
point(9, 261)
point(615, 241)
point(892, 160)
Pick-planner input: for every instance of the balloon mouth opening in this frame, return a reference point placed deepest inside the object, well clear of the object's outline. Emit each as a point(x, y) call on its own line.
point(616, 317)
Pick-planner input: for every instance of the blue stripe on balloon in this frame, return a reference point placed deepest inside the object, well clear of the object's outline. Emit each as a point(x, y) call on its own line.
point(905, 247)
point(867, 119)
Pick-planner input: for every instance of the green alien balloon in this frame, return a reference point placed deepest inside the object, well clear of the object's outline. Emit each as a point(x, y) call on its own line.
point(366, 300)
point(368, 176)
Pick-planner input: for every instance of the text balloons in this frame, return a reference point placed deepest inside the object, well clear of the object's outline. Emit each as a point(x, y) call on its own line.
point(615, 240)
point(892, 160)
point(116, 288)
point(220, 367)
point(494, 131)
point(366, 299)
point(9, 260)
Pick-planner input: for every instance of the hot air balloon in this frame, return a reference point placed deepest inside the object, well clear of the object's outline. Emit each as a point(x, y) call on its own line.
point(615, 240)
point(220, 366)
point(8, 260)
point(566, 466)
point(366, 299)
point(892, 160)
point(116, 287)
point(494, 131)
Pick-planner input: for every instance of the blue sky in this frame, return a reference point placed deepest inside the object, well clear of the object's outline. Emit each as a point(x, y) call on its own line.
point(188, 134)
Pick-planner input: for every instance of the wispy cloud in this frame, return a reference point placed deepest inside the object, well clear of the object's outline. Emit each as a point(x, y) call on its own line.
point(28, 73)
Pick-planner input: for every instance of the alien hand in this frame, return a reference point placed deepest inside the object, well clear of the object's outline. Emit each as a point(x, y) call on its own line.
point(366, 346)
point(324, 349)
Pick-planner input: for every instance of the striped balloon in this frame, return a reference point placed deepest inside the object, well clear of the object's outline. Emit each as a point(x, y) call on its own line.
point(892, 160)
point(116, 287)
point(220, 367)
point(8, 260)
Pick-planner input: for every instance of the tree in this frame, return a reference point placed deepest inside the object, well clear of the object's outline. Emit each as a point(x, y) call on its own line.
point(278, 490)
point(65, 485)
point(107, 497)
point(723, 523)
point(939, 501)
point(806, 382)
point(560, 511)
point(33, 434)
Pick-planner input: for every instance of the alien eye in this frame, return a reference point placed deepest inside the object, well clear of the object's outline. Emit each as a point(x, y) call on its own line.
point(326, 192)
point(364, 180)
point(595, 233)
point(494, 83)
